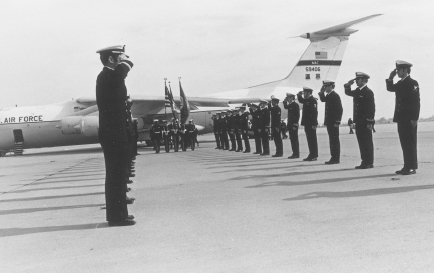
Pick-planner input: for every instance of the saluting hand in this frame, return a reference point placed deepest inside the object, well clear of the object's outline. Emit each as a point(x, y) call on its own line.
point(392, 74)
point(349, 83)
point(314, 127)
point(370, 126)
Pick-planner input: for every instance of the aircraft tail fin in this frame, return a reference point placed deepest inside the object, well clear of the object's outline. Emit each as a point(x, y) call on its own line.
point(321, 60)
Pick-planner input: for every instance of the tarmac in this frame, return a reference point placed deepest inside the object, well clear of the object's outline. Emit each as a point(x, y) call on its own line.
point(210, 210)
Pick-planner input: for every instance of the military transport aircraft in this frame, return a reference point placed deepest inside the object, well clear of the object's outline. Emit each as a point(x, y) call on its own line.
point(76, 122)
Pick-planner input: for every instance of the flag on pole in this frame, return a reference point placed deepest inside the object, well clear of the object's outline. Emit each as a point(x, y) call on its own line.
point(172, 102)
point(167, 96)
point(185, 106)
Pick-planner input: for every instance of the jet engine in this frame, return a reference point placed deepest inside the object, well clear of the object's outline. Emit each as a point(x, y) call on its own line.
point(86, 125)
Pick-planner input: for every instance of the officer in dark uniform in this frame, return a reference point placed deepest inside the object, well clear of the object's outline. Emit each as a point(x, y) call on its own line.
point(244, 124)
point(407, 108)
point(190, 134)
point(220, 132)
point(111, 95)
point(216, 130)
point(238, 131)
point(265, 127)
point(309, 120)
point(231, 130)
point(283, 126)
point(293, 119)
point(363, 117)
point(224, 129)
point(276, 114)
point(256, 127)
point(156, 135)
point(332, 118)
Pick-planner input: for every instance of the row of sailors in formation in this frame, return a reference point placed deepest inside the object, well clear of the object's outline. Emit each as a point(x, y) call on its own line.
point(234, 123)
point(266, 123)
point(173, 135)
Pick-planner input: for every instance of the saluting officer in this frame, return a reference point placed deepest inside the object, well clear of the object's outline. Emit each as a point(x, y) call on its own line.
point(220, 134)
point(231, 130)
point(332, 118)
point(363, 117)
point(244, 123)
point(111, 96)
point(224, 128)
point(265, 127)
point(237, 121)
point(309, 120)
point(293, 120)
point(216, 130)
point(256, 127)
point(276, 114)
point(407, 108)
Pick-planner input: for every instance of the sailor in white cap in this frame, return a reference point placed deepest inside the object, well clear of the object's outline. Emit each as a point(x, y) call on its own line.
point(292, 123)
point(363, 117)
point(310, 121)
point(275, 126)
point(265, 127)
point(111, 98)
point(407, 107)
point(332, 118)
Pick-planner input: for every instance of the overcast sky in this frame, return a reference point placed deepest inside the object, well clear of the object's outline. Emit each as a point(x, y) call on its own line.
point(48, 47)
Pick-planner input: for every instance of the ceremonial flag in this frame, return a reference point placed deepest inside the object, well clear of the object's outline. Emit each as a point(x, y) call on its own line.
point(172, 102)
point(167, 98)
point(185, 107)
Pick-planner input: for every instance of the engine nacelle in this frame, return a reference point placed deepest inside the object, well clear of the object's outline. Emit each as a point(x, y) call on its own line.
point(87, 125)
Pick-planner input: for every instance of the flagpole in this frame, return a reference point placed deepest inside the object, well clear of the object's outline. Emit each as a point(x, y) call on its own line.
point(165, 87)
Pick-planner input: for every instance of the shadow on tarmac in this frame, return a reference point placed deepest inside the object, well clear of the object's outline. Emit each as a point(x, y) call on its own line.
point(316, 181)
point(7, 232)
point(260, 176)
point(49, 197)
point(361, 193)
point(268, 169)
point(96, 150)
point(56, 188)
point(31, 210)
point(70, 180)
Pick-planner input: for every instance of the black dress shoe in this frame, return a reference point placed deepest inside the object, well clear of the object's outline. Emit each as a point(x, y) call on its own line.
point(257, 153)
point(130, 200)
point(130, 181)
point(130, 217)
point(238, 151)
point(126, 222)
point(363, 166)
point(265, 154)
point(246, 151)
point(128, 189)
point(400, 171)
point(310, 159)
point(276, 155)
point(217, 148)
point(293, 156)
point(408, 171)
point(131, 175)
point(332, 162)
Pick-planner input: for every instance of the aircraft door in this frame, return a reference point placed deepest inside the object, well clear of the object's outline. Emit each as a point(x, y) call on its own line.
point(18, 135)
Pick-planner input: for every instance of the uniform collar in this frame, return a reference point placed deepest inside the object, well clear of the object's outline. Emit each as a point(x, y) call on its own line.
point(408, 75)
